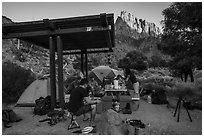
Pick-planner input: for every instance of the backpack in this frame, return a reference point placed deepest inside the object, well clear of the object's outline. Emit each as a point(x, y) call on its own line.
point(127, 109)
point(159, 97)
point(43, 105)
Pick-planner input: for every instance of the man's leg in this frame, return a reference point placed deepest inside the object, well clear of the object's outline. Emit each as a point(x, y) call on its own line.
point(136, 90)
point(86, 117)
point(88, 108)
point(93, 113)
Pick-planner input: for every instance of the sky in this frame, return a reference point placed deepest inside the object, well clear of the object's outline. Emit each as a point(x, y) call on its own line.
point(32, 11)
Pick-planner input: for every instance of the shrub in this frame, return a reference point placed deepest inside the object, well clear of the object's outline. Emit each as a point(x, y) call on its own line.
point(186, 89)
point(134, 60)
point(15, 79)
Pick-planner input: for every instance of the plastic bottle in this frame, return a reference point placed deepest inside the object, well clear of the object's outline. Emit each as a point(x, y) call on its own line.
point(149, 99)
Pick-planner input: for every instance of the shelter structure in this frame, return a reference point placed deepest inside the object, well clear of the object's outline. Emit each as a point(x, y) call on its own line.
point(65, 36)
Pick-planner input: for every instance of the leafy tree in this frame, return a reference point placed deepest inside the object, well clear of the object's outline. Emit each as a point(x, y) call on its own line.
point(134, 60)
point(94, 60)
point(182, 36)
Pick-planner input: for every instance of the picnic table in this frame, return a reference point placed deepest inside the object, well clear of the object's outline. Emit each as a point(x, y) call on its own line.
point(122, 94)
point(116, 93)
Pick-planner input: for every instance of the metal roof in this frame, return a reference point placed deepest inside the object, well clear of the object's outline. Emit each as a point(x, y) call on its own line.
point(77, 33)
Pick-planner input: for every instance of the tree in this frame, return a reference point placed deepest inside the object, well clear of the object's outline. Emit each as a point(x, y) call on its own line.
point(134, 60)
point(182, 36)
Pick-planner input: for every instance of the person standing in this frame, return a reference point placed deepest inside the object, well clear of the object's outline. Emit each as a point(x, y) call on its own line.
point(129, 76)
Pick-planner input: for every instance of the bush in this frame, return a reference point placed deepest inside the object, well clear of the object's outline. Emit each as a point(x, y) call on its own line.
point(15, 79)
point(134, 60)
point(186, 89)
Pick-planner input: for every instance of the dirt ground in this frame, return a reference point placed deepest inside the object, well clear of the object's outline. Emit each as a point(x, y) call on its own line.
point(159, 120)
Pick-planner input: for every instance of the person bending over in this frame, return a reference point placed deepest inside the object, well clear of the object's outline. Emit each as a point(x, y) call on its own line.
point(77, 99)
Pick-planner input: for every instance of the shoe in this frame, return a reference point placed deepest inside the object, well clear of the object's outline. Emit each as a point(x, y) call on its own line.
point(18, 120)
point(7, 125)
point(86, 119)
point(136, 96)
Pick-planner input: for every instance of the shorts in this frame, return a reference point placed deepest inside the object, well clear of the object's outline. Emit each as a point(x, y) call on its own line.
point(84, 109)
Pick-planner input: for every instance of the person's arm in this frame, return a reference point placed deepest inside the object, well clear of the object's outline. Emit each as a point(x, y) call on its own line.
point(90, 101)
point(127, 78)
point(96, 83)
point(70, 87)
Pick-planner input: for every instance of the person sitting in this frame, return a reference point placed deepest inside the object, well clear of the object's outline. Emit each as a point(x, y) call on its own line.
point(95, 87)
point(113, 124)
point(78, 97)
point(74, 84)
point(121, 81)
point(93, 84)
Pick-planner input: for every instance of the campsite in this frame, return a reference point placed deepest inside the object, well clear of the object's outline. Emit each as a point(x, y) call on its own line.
point(102, 73)
point(159, 119)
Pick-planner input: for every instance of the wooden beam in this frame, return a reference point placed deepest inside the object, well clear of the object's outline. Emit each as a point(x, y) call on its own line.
point(56, 32)
point(49, 24)
point(41, 44)
point(103, 20)
point(5, 31)
point(60, 72)
point(108, 39)
point(52, 72)
point(88, 51)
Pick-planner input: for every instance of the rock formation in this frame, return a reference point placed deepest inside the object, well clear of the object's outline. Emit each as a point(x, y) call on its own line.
point(136, 26)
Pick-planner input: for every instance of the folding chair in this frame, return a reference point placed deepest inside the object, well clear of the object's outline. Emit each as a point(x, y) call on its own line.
point(73, 124)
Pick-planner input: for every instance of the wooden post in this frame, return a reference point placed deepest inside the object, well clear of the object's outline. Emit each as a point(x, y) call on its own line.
point(52, 72)
point(18, 46)
point(60, 72)
point(82, 61)
point(86, 63)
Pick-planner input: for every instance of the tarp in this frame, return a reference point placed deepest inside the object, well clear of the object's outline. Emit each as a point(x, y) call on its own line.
point(101, 72)
point(38, 88)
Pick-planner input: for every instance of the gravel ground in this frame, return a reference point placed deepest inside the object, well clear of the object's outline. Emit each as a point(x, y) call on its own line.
point(158, 118)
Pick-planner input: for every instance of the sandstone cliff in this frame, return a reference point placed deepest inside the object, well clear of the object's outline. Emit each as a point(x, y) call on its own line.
point(129, 25)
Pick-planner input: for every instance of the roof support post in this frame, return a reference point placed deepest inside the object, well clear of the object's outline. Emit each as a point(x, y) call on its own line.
point(86, 63)
point(60, 72)
point(52, 72)
point(82, 61)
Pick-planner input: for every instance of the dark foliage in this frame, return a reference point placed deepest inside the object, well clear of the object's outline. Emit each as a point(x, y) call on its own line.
point(182, 36)
point(134, 60)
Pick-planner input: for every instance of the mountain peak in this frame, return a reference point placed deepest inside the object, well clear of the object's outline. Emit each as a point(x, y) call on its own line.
point(139, 25)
